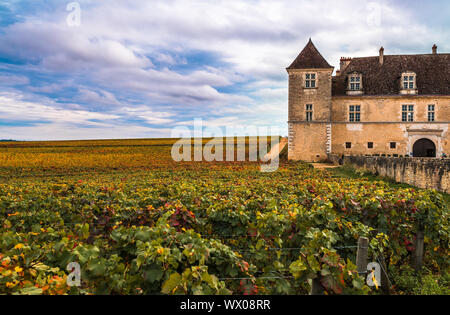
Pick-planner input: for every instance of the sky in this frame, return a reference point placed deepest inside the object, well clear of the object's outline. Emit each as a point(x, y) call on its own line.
point(111, 69)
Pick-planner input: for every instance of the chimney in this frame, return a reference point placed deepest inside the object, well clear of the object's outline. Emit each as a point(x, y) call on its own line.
point(338, 73)
point(381, 55)
point(434, 49)
point(345, 61)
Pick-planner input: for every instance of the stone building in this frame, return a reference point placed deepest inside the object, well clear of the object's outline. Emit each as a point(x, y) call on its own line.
point(388, 105)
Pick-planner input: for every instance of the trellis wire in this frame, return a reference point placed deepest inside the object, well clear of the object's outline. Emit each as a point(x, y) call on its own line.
point(243, 250)
point(288, 248)
point(255, 278)
point(377, 257)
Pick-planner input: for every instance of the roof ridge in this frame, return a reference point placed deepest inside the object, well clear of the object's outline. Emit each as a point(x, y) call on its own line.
point(430, 54)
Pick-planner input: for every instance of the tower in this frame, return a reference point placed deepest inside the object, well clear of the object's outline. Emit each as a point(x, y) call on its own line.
point(310, 84)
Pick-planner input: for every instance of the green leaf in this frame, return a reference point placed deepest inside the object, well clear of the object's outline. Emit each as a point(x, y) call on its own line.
point(210, 279)
point(358, 284)
point(224, 291)
point(171, 283)
point(153, 274)
point(31, 291)
point(313, 263)
point(97, 269)
point(297, 268)
point(140, 259)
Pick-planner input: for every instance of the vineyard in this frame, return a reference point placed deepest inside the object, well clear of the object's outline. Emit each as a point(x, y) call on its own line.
point(139, 223)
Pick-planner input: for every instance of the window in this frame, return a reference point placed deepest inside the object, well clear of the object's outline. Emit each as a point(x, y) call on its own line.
point(370, 145)
point(431, 112)
point(310, 80)
point(348, 145)
point(309, 112)
point(409, 81)
point(354, 82)
point(393, 145)
point(407, 112)
point(354, 113)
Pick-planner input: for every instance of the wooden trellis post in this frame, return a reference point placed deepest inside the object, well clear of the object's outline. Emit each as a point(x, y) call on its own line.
point(385, 283)
point(316, 286)
point(362, 255)
point(417, 256)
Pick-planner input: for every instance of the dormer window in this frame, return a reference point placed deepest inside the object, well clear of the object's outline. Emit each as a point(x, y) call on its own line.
point(408, 83)
point(355, 82)
point(310, 80)
point(355, 86)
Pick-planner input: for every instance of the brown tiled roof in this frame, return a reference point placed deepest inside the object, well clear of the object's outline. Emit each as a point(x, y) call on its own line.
point(432, 74)
point(309, 58)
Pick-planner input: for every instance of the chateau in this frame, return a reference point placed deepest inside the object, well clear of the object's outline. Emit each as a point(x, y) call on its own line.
point(387, 105)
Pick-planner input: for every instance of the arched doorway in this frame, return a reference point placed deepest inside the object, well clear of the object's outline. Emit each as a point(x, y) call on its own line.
point(424, 148)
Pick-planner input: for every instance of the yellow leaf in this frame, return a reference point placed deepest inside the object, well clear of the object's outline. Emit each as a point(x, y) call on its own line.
point(374, 280)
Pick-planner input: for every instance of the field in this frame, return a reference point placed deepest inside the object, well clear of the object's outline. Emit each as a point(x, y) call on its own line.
point(139, 223)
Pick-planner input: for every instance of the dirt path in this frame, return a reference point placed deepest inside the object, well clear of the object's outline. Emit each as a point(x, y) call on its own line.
point(324, 165)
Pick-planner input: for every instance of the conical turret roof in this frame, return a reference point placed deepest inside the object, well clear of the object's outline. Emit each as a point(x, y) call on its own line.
point(309, 58)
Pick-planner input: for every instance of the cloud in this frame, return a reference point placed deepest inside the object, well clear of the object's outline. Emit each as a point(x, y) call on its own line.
point(14, 107)
point(97, 98)
point(48, 88)
point(166, 86)
point(25, 120)
point(169, 59)
point(56, 131)
point(11, 80)
point(164, 62)
point(147, 114)
point(59, 48)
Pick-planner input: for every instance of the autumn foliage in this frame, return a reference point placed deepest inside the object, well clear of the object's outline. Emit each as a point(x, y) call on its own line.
point(139, 223)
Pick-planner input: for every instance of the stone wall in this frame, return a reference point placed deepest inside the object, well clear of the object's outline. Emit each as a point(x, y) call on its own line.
point(309, 142)
point(428, 173)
